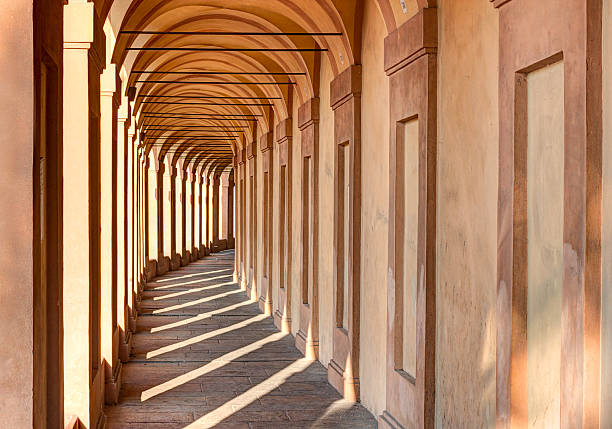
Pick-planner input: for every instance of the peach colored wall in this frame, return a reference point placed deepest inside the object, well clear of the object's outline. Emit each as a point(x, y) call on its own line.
point(467, 214)
point(374, 211)
point(326, 214)
point(296, 152)
point(545, 244)
point(606, 256)
point(16, 281)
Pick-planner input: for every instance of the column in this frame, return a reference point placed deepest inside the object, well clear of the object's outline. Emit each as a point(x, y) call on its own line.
point(183, 177)
point(166, 198)
point(284, 138)
point(123, 230)
point(175, 261)
point(163, 264)
point(215, 212)
point(197, 213)
point(223, 210)
point(307, 338)
point(151, 196)
point(230, 211)
point(83, 62)
point(188, 213)
point(110, 90)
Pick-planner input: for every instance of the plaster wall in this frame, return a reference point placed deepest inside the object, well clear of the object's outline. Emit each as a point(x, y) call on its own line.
point(545, 147)
point(468, 141)
point(326, 215)
point(374, 211)
point(16, 196)
point(296, 224)
point(606, 243)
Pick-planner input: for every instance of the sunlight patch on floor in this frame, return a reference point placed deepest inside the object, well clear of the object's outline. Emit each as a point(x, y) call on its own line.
point(186, 276)
point(192, 282)
point(199, 317)
point(196, 302)
point(211, 366)
point(243, 400)
point(190, 291)
point(203, 337)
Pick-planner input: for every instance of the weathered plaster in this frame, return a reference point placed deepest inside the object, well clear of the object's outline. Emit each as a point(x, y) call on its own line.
point(375, 211)
point(467, 214)
point(606, 243)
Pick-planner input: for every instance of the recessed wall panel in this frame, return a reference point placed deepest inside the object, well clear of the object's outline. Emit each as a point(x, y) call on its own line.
point(545, 194)
point(409, 144)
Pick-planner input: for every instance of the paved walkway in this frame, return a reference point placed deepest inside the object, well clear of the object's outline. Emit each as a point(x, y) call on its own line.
point(205, 357)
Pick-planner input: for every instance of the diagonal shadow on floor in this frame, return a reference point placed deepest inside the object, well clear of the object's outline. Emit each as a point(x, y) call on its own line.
point(205, 357)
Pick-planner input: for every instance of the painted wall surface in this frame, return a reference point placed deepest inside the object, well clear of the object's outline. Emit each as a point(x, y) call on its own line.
point(468, 143)
point(326, 216)
point(16, 107)
point(374, 211)
point(545, 243)
point(606, 244)
point(296, 152)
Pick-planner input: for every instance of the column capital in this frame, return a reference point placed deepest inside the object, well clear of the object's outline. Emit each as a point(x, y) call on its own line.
point(284, 130)
point(83, 30)
point(308, 113)
point(265, 142)
point(345, 86)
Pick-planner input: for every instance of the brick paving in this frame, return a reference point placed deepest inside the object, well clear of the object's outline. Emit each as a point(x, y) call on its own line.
point(205, 357)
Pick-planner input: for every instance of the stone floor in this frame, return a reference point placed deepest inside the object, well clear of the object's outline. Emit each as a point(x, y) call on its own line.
point(205, 357)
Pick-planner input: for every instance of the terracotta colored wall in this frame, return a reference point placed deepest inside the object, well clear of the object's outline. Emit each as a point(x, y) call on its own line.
point(606, 257)
point(16, 119)
point(467, 214)
point(326, 214)
point(375, 211)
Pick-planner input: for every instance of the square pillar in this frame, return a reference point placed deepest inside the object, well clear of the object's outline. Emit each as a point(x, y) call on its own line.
point(284, 138)
point(343, 369)
point(110, 98)
point(267, 154)
point(251, 288)
point(84, 59)
point(123, 230)
point(307, 338)
point(411, 290)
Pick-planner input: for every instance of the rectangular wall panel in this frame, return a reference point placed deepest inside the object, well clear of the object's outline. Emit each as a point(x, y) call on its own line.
point(545, 195)
point(409, 143)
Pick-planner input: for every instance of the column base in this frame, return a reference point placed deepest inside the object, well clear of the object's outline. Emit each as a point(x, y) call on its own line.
point(175, 262)
point(309, 348)
point(112, 383)
point(101, 422)
point(132, 318)
point(265, 306)
point(163, 266)
point(387, 421)
point(125, 345)
point(281, 322)
point(185, 259)
point(151, 269)
point(348, 387)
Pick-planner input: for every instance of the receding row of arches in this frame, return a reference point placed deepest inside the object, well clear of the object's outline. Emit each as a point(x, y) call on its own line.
point(416, 190)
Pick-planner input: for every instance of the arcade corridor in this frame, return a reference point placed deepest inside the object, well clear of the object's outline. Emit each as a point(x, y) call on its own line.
point(205, 356)
point(306, 213)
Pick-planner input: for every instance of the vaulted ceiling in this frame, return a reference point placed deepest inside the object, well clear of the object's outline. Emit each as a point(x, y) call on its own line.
point(210, 76)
